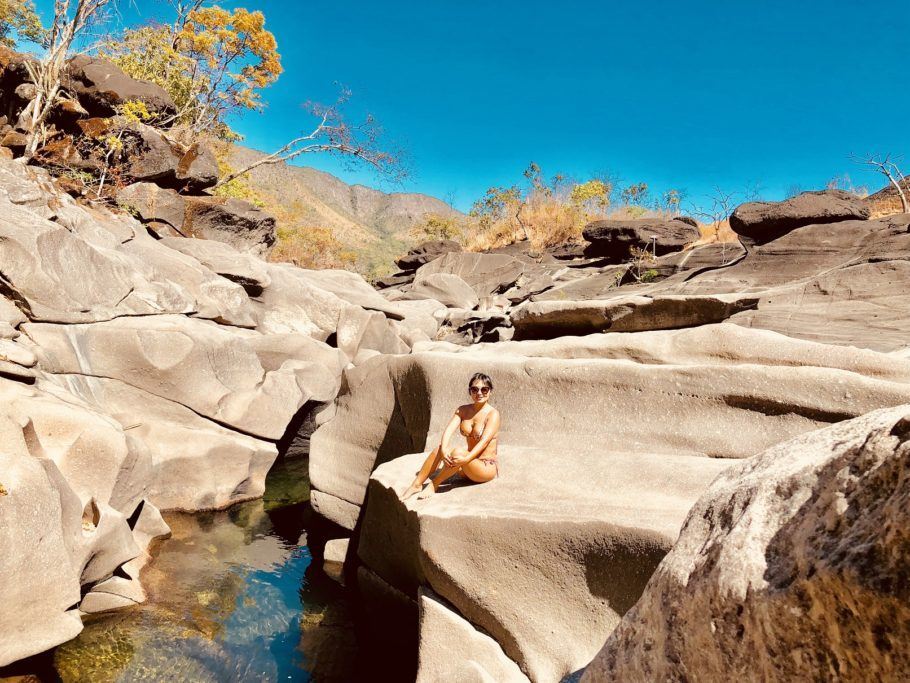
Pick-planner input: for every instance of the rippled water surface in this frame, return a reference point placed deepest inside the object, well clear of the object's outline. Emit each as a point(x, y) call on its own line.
point(232, 597)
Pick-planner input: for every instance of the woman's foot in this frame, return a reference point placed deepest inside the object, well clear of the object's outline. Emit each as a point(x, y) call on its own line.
point(427, 491)
point(411, 490)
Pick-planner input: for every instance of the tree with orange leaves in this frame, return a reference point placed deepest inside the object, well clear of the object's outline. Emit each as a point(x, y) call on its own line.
point(212, 61)
point(234, 57)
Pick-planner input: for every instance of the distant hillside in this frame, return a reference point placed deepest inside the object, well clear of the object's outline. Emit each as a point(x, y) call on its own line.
point(372, 223)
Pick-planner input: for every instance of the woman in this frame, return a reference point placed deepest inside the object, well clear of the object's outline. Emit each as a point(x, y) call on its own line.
point(479, 422)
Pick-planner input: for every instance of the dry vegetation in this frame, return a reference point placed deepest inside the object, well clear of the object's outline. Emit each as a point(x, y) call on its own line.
point(548, 213)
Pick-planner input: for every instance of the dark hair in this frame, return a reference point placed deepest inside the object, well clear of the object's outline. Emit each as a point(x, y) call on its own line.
point(487, 382)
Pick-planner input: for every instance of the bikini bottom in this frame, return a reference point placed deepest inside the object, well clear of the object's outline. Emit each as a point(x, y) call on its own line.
point(491, 461)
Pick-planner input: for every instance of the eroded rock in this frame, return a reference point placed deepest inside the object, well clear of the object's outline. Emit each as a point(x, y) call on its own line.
point(617, 239)
point(790, 567)
point(550, 319)
point(761, 222)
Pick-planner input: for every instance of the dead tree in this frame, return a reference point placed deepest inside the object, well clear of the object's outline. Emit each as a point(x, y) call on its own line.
point(334, 135)
point(887, 166)
point(70, 18)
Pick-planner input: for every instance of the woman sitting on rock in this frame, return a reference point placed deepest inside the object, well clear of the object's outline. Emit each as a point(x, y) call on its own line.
point(479, 422)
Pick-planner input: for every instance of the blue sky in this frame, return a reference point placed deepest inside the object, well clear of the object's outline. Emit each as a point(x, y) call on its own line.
point(676, 94)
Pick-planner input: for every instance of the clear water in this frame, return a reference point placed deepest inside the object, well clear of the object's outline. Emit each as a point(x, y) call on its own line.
point(232, 596)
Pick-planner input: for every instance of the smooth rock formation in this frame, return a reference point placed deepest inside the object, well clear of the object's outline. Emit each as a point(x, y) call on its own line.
point(617, 239)
point(550, 319)
point(211, 371)
point(451, 649)
point(446, 288)
point(195, 463)
point(487, 274)
point(738, 391)
point(792, 566)
point(761, 222)
point(72, 481)
point(245, 269)
point(838, 283)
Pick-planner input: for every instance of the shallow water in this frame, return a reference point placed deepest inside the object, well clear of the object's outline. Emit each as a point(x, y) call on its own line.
point(233, 596)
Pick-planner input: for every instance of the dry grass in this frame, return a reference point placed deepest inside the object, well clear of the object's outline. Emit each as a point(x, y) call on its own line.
point(716, 232)
point(547, 223)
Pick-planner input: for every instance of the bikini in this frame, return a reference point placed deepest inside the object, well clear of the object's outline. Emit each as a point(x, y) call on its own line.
point(477, 434)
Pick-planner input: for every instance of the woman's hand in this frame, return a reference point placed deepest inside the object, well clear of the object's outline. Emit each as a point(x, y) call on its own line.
point(458, 461)
point(447, 458)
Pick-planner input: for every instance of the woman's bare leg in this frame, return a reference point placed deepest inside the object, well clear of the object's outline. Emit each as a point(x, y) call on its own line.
point(429, 466)
point(475, 470)
point(443, 474)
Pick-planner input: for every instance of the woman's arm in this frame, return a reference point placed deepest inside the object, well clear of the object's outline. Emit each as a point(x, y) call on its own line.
point(453, 425)
point(490, 431)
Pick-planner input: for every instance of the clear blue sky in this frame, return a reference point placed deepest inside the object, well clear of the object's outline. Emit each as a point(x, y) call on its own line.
point(676, 94)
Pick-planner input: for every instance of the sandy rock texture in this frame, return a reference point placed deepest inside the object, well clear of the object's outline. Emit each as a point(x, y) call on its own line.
point(791, 566)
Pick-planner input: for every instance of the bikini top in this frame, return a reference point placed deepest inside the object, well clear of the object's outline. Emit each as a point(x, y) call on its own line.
point(470, 428)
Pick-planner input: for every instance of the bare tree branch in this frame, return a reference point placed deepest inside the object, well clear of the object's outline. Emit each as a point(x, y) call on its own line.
point(332, 134)
point(69, 21)
point(887, 166)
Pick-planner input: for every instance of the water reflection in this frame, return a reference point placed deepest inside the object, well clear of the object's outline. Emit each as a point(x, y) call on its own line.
point(233, 596)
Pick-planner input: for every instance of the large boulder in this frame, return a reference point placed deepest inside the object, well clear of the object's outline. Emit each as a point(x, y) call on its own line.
point(487, 274)
point(495, 552)
point(102, 88)
point(154, 157)
point(761, 222)
point(236, 222)
point(792, 566)
point(839, 283)
point(152, 203)
point(617, 239)
point(426, 252)
point(446, 288)
point(550, 319)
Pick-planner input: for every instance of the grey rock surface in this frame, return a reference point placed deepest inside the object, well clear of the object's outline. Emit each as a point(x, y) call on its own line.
point(761, 222)
point(791, 566)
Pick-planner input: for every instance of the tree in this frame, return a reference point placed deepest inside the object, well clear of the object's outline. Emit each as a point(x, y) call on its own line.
point(334, 135)
point(19, 21)
point(436, 227)
point(70, 19)
point(219, 41)
point(212, 61)
point(593, 196)
point(147, 53)
point(671, 200)
point(635, 194)
point(887, 166)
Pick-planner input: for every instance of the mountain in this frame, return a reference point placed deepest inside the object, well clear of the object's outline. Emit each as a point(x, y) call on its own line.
point(372, 223)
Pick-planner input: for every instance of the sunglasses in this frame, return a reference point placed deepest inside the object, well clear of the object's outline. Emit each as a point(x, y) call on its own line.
point(479, 390)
